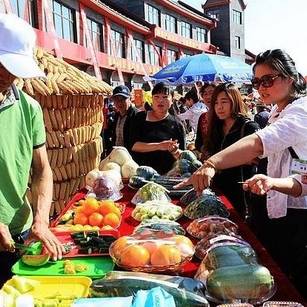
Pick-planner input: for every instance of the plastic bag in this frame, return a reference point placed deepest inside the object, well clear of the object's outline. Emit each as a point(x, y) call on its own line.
point(209, 242)
point(152, 251)
point(105, 187)
point(225, 254)
point(205, 205)
point(118, 283)
point(155, 297)
point(191, 195)
point(150, 191)
point(104, 301)
point(160, 224)
point(150, 210)
point(211, 225)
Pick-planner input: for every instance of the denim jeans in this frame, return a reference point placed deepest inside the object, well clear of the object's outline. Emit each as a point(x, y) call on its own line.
point(8, 259)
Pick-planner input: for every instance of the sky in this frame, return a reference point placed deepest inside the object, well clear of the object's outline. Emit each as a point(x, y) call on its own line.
point(271, 24)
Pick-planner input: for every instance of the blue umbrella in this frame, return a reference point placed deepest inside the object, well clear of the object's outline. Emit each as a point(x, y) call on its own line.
point(204, 67)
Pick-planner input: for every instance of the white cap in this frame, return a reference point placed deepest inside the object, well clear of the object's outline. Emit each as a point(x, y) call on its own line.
point(17, 46)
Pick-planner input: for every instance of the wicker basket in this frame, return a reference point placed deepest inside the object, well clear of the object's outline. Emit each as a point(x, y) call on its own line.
point(72, 103)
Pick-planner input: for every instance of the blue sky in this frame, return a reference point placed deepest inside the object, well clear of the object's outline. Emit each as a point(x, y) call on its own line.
point(273, 24)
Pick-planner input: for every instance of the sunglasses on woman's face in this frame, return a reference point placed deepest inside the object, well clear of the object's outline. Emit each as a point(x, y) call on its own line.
point(265, 81)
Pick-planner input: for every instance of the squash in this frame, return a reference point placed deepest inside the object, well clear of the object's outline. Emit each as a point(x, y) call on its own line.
point(246, 282)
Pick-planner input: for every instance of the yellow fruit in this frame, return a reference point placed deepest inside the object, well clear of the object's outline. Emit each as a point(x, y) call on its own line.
point(135, 256)
point(112, 220)
point(165, 255)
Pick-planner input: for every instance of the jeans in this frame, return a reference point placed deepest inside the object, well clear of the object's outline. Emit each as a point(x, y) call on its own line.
point(8, 259)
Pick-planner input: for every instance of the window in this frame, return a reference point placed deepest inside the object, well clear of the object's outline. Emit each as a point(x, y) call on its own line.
point(238, 42)
point(214, 14)
point(170, 23)
point(64, 21)
point(171, 56)
point(237, 17)
point(26, 10)
point(137, 51)
point(152, 15)
point(95, 31)
point(117, 44)
point(152, 56)
point(201, 35)
point(186, 29)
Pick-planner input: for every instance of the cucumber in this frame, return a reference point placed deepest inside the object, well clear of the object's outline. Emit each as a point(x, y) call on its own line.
point(245, 282)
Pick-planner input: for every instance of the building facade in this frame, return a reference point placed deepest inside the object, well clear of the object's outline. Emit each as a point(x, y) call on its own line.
point(229, 35)
point(124, 40)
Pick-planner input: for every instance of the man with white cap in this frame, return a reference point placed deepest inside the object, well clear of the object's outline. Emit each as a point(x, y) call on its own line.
point(22, 146)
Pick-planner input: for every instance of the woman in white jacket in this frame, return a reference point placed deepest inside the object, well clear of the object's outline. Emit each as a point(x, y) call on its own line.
point(283, 142)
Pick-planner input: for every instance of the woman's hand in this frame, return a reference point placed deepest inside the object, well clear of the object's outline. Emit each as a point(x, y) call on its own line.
point(200, 180)
point(258, 184)
point(169, 145)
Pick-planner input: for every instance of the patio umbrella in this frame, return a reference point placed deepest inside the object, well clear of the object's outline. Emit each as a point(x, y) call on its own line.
point(204, 67)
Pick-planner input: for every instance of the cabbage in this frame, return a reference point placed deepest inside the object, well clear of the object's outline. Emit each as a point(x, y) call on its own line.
point(129, 169)
point(91, 177)
point(119, 155)
point(111, 166)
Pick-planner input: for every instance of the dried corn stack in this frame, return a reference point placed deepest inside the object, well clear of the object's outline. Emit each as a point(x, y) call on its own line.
point(72, 103)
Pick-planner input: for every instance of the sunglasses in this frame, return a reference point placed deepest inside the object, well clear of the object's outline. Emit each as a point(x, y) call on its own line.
point(266, 81)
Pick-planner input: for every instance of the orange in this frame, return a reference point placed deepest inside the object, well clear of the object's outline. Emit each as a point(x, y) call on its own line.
point(119, 245)
point(80, 218)
point(79, 209)
point(135, 256)
point(95, 219)
point(108, 206)
point(112, 220)
point(90, 206)
point(165, 255)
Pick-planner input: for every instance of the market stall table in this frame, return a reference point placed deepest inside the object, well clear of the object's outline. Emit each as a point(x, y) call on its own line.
point(285, 290)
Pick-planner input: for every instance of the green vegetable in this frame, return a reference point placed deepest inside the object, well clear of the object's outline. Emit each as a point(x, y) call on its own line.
point(184, 166)
point(204, 205)
point(35, 260)
point(146, 172)
point(229, 255)
point(125, 286)
point(188, 155)
point(137, 181)
point(246, 282)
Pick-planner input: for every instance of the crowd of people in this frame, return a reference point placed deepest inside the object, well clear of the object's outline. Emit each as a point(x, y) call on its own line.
point(232, 144)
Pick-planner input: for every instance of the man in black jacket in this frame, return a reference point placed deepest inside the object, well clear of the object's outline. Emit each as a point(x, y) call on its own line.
point(125, 113)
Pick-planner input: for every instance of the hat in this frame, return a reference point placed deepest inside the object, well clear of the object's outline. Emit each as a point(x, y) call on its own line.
point(121, 90)
point(17, 46)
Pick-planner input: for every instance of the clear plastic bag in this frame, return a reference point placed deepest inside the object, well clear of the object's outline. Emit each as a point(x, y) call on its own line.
point(160, 224)
point(105, 187)
point(211, 225)
point(191, 195)
point(225, 254)
point(186, 291)
point(151, 210)
point(152, 251)
point(206, 244)
point(150, 191)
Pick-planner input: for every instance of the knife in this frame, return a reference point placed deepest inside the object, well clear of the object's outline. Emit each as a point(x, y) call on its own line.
point(34, 249)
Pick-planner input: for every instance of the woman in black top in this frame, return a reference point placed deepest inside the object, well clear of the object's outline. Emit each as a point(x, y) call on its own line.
point(228, 122)
point(156, 135)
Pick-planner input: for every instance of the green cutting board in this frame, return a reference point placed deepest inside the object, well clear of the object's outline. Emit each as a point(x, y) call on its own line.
point(97, 267)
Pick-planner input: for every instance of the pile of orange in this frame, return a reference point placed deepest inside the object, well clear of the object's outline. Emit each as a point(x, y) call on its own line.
point(151, 253)
point(92, 212)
